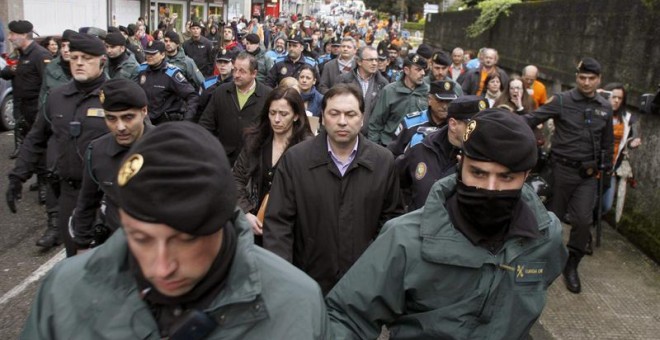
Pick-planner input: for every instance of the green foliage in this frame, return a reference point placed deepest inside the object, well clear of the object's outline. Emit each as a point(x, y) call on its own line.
point(414, 26)
point(490, 11)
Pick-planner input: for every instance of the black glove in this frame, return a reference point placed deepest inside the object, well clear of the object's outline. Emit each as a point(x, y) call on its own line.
point(14, 193)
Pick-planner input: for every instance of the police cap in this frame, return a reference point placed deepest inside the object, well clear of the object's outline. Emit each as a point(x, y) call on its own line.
point(115, 39)
point(443, 90)
point(441, 58)
point(224, 55)
point(497, 135)
point(465, 107)
point(589, 65)
point(178, 175)
point(335, 42)
point(20, 26)
point(155, 46)
point(173, 36)
point(382, 55)
point(393, 47)
point(122, 94)
point(296, 38)
point(86, 43)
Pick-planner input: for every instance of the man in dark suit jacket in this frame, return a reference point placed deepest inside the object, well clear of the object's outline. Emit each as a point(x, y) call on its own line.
point(235, 105)
point(334, 68)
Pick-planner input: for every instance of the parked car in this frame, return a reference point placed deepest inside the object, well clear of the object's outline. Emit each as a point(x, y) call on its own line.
point(6, 102)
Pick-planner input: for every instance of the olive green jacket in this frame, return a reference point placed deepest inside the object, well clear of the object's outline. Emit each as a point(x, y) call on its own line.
point(53, 77)
point(127, 69)
point(188, 67)
point(393, 103)
point(95, 296)
point(425, 280)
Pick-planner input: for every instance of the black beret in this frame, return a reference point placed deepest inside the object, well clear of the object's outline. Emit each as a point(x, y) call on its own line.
point(20, 26)
point(224, 54)
point(178, 175)
point(86, 43)
point(500, 136)
point(465, 107)
point(443, 90)
point(196, 24)
point(425, 51)
point(66, 35)
point(589, 65)
point(99, 32)
point(112, 29)
point(115, 39)
point(173, 36)
point(416, 59)
point(122, 94)
point(131, 29)
point(252, 38)
point(155, 46)
point(441, 58)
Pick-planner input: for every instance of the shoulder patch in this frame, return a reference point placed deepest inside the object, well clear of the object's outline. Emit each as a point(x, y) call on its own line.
point(208, 82)
point(310, 61)
point(281, 58)
point(143, 67)
point(179, 77)
point(420, 171)
point(415, 118)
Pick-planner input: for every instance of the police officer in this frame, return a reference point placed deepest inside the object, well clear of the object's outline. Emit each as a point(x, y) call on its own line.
point(76, 117)
point(224, 66)
point(170, 95)
point(57, 73)
point(436, 156)
point(288, 66)
point(416, 125)
point(475, 263)
point(183, 266)
point(396, 99)
point(175, 56)
point(120, 64)
point(25, 78)
point(125, 106)
point(439, 70)
point(200, 49)
point(583, 133)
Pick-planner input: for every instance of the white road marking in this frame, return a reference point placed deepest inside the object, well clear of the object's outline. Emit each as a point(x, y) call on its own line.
point(35, 276)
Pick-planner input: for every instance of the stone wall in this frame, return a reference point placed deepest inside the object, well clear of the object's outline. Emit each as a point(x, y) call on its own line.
point(554, 35)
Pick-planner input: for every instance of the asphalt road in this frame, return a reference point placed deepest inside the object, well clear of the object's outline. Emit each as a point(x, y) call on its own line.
point(19, 257)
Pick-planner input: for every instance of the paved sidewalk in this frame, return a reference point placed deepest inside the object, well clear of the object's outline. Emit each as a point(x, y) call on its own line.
point(620, 296)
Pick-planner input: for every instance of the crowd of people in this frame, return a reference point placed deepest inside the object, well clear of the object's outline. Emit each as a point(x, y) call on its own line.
point(297, 179)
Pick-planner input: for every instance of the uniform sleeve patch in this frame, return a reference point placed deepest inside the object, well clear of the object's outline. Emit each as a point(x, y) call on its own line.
point(420, 171)
point(179, 77)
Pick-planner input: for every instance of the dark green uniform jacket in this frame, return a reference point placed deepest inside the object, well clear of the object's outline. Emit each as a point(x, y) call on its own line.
point(95, 296)
point(395, 100)
point(425, 280)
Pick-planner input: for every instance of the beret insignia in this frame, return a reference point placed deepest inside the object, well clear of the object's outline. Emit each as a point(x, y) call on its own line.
point(101, 96)
point(482, 105)
point(447, 86)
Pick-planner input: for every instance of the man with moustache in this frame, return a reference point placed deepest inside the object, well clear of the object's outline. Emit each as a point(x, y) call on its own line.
point(76, 118)
point(406, 95)
point(25, 78)
point(125, 107)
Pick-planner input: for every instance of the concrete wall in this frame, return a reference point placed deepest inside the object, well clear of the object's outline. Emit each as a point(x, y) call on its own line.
point(623, 35)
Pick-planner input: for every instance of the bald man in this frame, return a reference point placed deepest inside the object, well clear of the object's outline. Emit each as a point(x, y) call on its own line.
point(535, 88)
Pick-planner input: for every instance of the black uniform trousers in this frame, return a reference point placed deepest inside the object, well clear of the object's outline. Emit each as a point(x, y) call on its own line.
point(576, 196)
point(68, 198)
